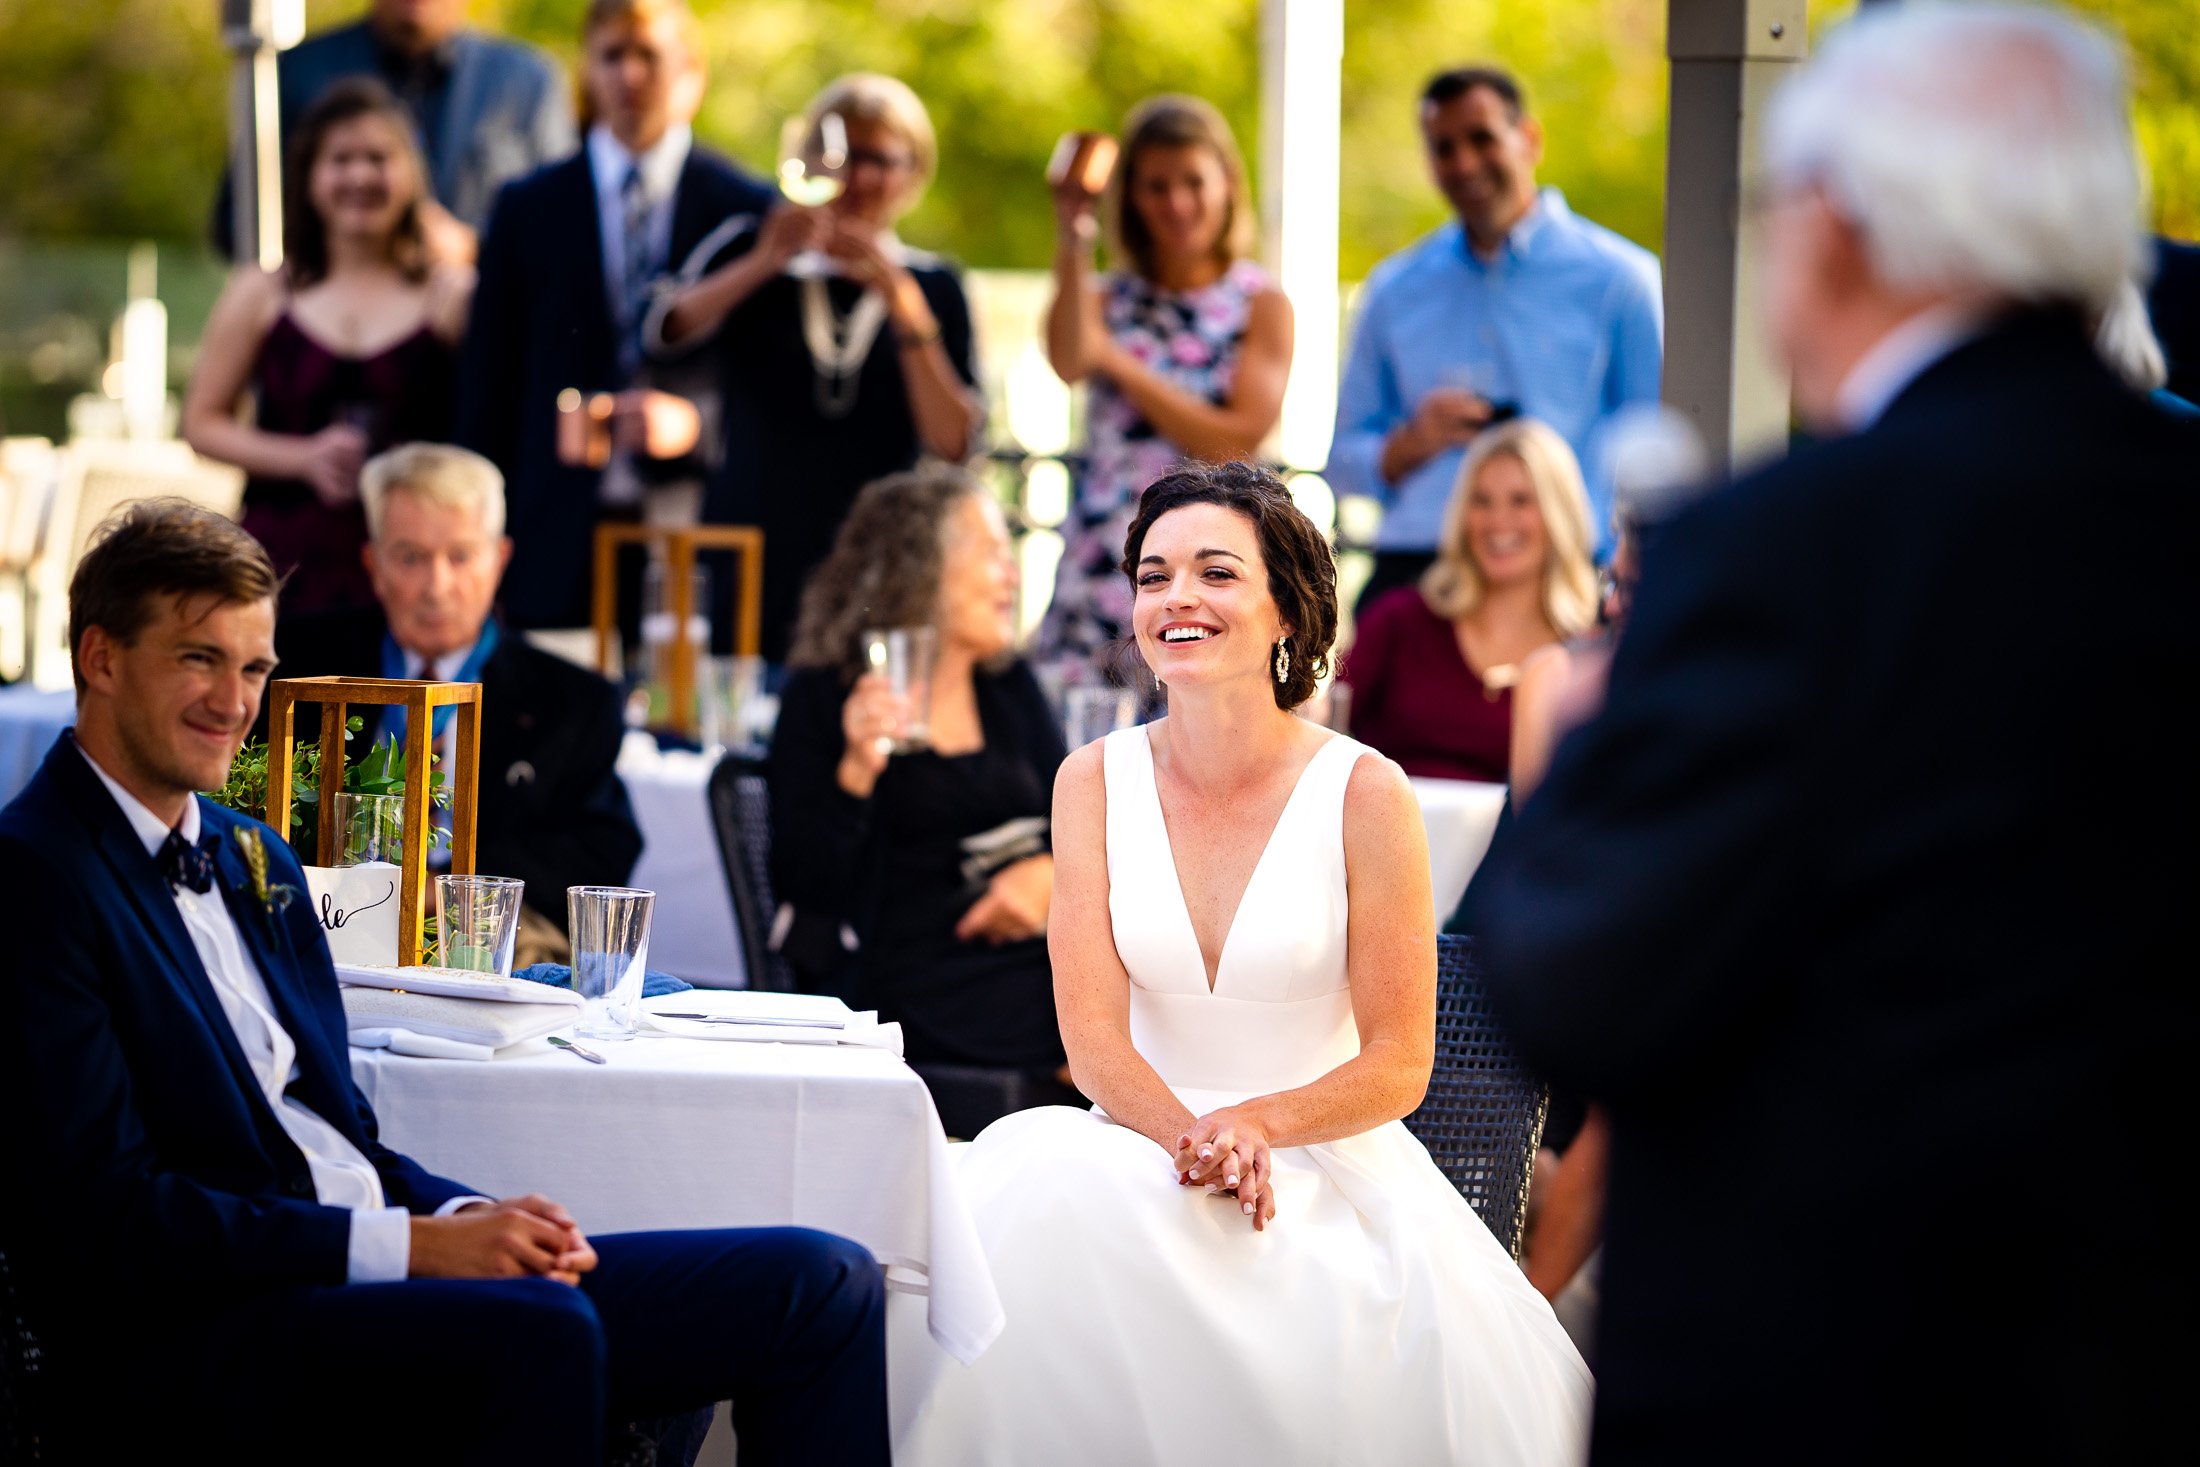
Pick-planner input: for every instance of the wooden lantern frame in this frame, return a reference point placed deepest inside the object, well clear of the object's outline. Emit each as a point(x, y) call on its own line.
point(680, 542)
point(335, 696)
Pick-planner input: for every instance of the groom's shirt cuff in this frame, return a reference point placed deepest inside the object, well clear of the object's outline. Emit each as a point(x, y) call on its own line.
point(380, 1250)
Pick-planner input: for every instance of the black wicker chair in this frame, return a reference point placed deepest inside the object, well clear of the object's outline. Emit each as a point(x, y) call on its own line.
point(740, 810)
point(1483, 1116)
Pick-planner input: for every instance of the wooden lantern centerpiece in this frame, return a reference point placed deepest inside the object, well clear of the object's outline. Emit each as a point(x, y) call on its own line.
point(678, 544)
point(335, 695)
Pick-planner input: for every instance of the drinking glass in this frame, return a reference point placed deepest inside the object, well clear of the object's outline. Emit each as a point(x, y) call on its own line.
point(730, 689)
point(477, 922)
point(660, 637)
point(369, 829)
point(813, 171)
point(905, 655)
point(610, 930)
point(1093, 713)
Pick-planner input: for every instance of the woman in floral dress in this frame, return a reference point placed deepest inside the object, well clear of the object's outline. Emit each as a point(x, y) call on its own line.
point(1185, 348)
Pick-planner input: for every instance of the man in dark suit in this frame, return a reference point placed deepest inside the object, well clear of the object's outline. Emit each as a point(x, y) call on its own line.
point(1855, 905)
point(2173, 304)
point(572, 254)
point(200, 1217)
point(551, 808)
point(488, 109)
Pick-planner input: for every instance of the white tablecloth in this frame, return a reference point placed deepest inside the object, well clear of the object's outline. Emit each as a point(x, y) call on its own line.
point(687, 1133)
point(1461, 816)
point(30, 720)
point(692, 934)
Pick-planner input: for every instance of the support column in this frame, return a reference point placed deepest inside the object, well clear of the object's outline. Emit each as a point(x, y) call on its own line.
point(1727, 57)
point(254, 31)
point(1301, 64)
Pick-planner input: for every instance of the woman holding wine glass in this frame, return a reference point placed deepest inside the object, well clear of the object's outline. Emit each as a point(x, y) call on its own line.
point(1184, 346)
point(843, 355)
point(347, 349)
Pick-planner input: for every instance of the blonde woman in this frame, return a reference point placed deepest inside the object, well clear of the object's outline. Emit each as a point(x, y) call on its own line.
point(1433, 667)
point(830, 379)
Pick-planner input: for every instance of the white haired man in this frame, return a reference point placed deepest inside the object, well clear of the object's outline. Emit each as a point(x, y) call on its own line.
point(1877, 1007)
point(552, 810)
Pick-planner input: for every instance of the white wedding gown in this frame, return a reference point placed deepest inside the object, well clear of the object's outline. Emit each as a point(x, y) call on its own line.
point(1376, 1321)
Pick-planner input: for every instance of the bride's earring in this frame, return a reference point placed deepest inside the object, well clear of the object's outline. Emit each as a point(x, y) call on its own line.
point(1282, 660)
point(1156, 680)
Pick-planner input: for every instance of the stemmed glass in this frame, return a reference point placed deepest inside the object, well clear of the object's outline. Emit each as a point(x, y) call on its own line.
point(813, 171)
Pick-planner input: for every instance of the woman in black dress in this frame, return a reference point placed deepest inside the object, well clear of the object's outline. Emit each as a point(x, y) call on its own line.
point(938, 861)
point(850, 366)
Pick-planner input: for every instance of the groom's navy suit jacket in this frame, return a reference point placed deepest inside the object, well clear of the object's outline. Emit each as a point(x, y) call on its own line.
point(147, 1170)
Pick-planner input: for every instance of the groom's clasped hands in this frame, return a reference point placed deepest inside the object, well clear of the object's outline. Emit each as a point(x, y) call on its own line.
point(1226, 1151)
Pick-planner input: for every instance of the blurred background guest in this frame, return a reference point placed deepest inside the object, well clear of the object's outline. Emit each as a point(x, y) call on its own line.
point(1185, 346)
point(346, 350)
point(1852, 996)
point(1518, 307)
point(567, 269)
point(551, 810)
point(484, 110)
point(1432, 666)
point(842, 373)
point(938, 860)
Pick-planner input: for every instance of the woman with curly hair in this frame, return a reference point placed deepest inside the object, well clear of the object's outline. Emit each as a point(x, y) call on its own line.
point(347, 349)
point(938, 861)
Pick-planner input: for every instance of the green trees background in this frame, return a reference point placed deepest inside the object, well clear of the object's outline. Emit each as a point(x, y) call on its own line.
point(112, 112)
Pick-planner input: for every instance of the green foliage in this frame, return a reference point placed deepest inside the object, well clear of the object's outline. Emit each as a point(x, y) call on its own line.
point(380, 772)
point(112, 112)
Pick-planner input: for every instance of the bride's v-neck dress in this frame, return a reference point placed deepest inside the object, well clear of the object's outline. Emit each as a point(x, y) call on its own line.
point(1376, 1321)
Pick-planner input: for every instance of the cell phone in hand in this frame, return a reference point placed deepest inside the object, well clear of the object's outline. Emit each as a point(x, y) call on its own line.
point(1083, 160)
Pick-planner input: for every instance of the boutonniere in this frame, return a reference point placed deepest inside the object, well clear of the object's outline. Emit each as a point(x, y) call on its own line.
point(273, 898)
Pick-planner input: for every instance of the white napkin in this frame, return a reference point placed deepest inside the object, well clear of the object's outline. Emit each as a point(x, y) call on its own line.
point(426, 1046)
point(860, 1029)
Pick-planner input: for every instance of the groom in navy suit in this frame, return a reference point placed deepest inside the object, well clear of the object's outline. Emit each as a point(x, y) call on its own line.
point(201, 1220)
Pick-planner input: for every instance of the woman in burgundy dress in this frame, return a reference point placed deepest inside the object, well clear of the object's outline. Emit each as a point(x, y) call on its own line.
point(346, 350)
point(1433, 665)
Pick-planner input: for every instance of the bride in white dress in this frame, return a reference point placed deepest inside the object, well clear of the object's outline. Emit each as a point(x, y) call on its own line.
point(1241, 1254)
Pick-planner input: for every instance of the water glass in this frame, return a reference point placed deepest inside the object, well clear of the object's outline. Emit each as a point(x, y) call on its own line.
point(661, 640)
point(477, 922)
point(730, 689)
point(1093, 713)
point(905, 655)
point(370, 829)
point(610, 932)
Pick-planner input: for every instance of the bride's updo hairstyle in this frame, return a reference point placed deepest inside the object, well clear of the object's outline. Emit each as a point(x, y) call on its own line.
point(1302, 575)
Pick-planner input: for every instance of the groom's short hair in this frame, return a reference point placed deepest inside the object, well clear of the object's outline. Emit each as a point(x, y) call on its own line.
point(162, 547)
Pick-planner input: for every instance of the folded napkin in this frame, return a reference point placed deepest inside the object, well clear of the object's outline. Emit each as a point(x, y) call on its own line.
point(857, 1028)
point(423, 1046)
point(558, 975)
point(492, 1026)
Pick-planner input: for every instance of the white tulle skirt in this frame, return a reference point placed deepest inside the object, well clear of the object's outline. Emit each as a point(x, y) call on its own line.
point(1375, 1321)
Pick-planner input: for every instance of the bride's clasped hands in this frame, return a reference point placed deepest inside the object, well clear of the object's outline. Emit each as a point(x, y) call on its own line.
point(1226, 1151)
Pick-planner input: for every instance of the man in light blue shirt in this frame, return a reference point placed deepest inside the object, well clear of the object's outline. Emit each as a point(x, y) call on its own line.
point(1517, 308)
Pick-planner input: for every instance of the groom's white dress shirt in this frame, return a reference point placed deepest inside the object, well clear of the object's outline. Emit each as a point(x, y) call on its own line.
point(380, 1248)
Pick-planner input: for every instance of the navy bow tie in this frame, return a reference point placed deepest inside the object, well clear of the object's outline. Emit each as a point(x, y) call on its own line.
point(185, 864)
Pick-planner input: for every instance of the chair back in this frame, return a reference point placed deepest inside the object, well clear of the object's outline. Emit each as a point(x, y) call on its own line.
point(740, 811)
point(1483, 1116)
